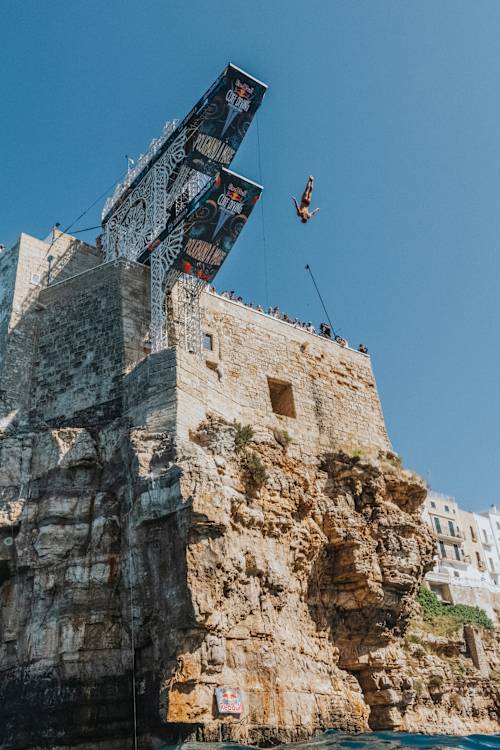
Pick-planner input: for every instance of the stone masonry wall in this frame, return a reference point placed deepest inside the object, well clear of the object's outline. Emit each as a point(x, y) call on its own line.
point(91, 332)
point(8, 268)
point(93, 329)
point(27, 277)
point(334, 391)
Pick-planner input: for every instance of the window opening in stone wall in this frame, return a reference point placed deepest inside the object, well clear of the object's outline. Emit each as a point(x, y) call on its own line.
point(472, 534)
point(457, 551)
point(478, 558)
point(451, 528)
point(437, 524)
point(442, 549)
point(208, 342)
point(447, 510)
point(281, 395)
point(433, 504)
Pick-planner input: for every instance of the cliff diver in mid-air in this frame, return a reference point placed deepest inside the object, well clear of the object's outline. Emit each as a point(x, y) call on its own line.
point(303, 210)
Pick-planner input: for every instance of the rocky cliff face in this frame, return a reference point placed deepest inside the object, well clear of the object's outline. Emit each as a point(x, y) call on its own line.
point(447, 691)
point(227, 560)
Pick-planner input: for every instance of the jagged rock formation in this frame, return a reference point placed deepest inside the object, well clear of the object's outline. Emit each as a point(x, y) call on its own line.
point(297, 589)
point(448, 691)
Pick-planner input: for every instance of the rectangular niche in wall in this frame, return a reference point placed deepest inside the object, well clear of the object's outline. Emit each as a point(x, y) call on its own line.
point(281, 394)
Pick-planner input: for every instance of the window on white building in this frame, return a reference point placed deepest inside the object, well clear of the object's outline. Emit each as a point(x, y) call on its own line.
point(447, 510)
point(442, 550)
point(433, 504)
point(451, 528)
point(456, 551)
point(437, 524)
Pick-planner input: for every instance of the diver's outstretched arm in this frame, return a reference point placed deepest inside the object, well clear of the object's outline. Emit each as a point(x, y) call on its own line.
point(296, 205)
point(314, 212)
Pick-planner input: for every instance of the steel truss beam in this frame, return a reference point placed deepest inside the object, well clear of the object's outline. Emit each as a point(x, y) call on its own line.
point(146, 210)
point(163, 277)
point(189, 313)
point(184, 326)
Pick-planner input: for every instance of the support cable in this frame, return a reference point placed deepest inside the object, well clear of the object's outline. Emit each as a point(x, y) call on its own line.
point(132, 628)
point(264, 245)
point(100, 197)
point(308, 268)
point(87, 229)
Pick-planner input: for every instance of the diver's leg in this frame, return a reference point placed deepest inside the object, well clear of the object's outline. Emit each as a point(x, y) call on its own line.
point(306, 198)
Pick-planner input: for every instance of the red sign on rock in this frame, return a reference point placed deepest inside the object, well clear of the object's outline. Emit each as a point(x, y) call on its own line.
point(228, 700)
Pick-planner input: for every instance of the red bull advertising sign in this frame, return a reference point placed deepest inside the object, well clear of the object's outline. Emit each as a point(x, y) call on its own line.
point(210, 135)
point(229, 701)
point(210, 225)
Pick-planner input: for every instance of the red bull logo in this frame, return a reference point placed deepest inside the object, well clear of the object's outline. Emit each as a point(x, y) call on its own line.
point(232, 199)
point(239, 99)
point(240, 96)
point(228, 700)
point(243, 90)
point(236, 193)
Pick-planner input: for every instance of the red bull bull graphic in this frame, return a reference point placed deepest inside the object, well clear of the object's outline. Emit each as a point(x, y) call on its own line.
point(238, 99)
point(229, 700)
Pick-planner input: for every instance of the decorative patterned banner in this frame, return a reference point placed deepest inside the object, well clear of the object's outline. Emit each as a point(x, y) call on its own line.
point(209, 136)
point(211, 224)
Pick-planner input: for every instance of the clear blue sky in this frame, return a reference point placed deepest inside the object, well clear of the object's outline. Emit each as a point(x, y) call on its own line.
point(393, 105)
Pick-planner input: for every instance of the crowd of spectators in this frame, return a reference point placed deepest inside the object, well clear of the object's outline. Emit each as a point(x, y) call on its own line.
point(325, 329)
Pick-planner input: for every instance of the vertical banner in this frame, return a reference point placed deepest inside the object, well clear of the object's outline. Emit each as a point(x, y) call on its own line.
point(225, 115)
point(210, 134)
point(211, 224)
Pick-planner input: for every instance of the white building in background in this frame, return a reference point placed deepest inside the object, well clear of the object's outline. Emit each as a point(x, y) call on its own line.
point(467, 563)
point(488, 524)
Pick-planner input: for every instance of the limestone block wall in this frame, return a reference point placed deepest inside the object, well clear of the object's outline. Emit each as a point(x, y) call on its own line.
point(149, 398)
point(8, 268)
point(333, 391)
point(25, 273)
point(476, 596)
point(92, 331)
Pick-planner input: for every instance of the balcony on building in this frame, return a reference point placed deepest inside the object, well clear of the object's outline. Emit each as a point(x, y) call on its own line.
point(486, 540)
point(446, 530)
point(456, 537)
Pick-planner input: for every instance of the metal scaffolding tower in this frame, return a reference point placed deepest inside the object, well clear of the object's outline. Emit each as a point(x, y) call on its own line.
point(189, 311)
point(163, 278)
point(184, 327)
point(180, 209)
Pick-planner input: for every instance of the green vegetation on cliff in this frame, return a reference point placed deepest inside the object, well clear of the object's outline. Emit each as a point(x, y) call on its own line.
point(433, 610)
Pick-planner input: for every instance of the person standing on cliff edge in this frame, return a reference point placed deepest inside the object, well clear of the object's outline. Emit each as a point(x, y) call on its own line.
point(303, 210)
